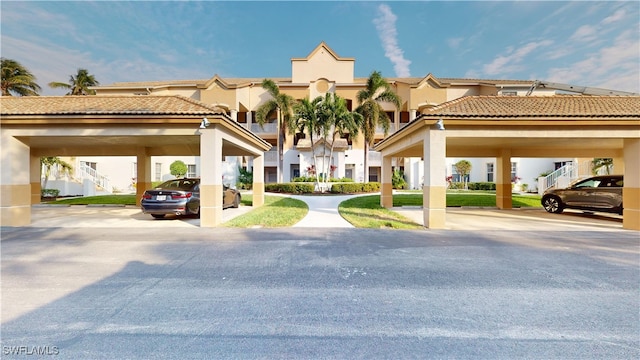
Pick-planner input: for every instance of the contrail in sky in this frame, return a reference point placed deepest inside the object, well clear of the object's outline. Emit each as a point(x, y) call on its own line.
point(386, 26)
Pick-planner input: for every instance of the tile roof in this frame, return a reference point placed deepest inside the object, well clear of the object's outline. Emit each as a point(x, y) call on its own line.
point(537, 106)
point(103, 105)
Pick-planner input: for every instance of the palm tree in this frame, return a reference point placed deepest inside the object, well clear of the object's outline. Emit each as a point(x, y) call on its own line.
point(16, 79)
point(599, 163)
point(282, 105)
point(339, 121)
point(307, 114)
point(78, 85)
point(49, 162)
point(377, 90)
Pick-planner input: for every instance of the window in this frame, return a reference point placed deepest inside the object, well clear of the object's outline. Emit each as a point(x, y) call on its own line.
point(191, 170)
point(489, 172)
point(514, 172)
point(158, 172)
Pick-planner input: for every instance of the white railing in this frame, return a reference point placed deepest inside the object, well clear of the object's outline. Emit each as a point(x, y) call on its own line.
point(268, 128)
point(87, 172)
point(271, 156)
point(567, 174)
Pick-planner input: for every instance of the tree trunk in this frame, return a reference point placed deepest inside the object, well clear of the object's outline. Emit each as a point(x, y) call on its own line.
point(366, 162)
point(280, 169)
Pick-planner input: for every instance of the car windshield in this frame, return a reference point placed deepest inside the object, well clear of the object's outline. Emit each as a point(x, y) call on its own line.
point(178, 184)
point(587, 183)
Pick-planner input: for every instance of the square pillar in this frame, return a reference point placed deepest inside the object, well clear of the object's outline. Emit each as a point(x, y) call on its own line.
point(35, 174)
point(503, 180)
point(631, 189)
point(143, 172)
point(15, 182)
point(258, 181)
point(386, 190)
point(211, 190)
point(434, 190)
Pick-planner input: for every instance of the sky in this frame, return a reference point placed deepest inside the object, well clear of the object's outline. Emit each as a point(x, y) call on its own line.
point(584, 43)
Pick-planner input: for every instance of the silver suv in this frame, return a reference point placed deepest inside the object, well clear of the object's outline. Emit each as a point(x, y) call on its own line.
point(598, 193)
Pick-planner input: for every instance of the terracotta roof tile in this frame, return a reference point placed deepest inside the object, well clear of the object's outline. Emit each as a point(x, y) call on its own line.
point(103, 105)
point(536, 106)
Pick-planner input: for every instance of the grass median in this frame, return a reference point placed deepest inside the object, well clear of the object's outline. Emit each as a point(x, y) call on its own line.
point(366, 212)
point(277, 211)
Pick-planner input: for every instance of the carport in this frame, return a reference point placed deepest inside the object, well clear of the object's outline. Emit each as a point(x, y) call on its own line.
point(141, 126)
point(515, 126)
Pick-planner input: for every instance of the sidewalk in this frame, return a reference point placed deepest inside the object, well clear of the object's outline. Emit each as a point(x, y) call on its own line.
point(323, 211)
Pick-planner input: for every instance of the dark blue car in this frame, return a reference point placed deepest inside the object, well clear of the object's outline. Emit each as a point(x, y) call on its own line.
point(181, 197)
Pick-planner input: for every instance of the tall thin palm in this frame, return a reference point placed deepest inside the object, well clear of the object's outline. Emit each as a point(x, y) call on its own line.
point(307, 113)
point(79, 84)
point(377, 90)
point(282, 104)
point(49, 162)
point(16, 79)
point(339, 121)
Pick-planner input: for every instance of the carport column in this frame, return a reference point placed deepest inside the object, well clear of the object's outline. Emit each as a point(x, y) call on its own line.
point(15, 187)
point(143, 172)
point(631, 189)
point(35, 173)
point(211, 177)
point(258, 181)
point(503, 180)
point(434, 191)
point(386, 192)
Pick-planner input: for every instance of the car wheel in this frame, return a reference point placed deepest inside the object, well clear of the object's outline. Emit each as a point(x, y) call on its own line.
point(552, 204)
point(157, 216)
point(236, 202)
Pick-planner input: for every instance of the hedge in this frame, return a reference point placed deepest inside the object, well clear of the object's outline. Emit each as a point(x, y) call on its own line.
point(353, 188)
point(49, 192)
point(481, 186)
point(290, 188)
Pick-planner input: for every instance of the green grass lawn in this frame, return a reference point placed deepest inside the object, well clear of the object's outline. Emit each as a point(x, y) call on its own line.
point(455, 199)
point(98, 200)
point(366, 212)
point(277, 211)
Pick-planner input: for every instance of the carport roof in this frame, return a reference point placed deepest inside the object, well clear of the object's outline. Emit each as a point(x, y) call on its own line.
point(104, 105)
point(538, 106)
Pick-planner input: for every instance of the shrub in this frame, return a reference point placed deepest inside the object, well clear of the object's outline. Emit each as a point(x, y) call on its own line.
point(397, 180)
point(245, 179)
point(290, 188)
point(456, 185)
point(481, 186)
point(49, 192)
point(353, 188)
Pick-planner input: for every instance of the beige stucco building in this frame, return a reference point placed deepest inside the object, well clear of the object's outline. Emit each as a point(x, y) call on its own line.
point(482, 118)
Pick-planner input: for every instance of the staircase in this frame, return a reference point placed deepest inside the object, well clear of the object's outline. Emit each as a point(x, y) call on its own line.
point(562, 177)
point(88, 173)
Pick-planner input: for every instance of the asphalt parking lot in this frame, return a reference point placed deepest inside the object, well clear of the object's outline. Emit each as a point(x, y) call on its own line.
point(107, 283)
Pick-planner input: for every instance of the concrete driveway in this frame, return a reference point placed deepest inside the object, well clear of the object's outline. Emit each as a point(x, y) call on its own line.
point(323, 212)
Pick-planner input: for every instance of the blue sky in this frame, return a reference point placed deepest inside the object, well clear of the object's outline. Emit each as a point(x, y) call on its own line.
point(584, 43)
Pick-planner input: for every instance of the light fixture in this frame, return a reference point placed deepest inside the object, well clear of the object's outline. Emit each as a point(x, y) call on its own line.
point(204, 123)
point(439, 124)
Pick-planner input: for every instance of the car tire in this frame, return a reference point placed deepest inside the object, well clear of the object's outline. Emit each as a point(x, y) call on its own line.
point(552, 204)
point(236, 202)
point(158, 216)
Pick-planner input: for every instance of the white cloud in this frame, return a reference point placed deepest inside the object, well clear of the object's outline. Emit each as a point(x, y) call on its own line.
point(617, 16)
point(512, 61)
point(454, 43)
point(613, 67)
point(584, 33)
point(386, 26)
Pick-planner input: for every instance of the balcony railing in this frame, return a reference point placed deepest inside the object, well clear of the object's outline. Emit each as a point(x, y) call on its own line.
point(268, 128)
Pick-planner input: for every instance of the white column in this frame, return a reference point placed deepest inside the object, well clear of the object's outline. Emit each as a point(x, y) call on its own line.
point(434, 196)
point(211, 177)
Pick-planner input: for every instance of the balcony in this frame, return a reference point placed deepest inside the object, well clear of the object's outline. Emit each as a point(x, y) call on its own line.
point(268, 128)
